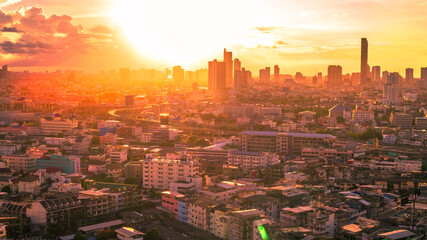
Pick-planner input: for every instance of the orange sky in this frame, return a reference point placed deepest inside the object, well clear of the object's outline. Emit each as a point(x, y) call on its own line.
point(304, 35)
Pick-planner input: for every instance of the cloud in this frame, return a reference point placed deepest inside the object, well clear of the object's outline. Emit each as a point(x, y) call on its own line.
point(280, 42)
point(10, 29)
point(268, 29)
point(101, 29)
point(4, 18)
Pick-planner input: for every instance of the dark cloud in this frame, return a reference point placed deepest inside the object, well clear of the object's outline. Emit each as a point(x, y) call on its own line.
point(23, 47)
point(10, 29)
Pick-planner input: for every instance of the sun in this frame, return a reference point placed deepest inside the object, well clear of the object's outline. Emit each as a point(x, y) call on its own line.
point(183, 32)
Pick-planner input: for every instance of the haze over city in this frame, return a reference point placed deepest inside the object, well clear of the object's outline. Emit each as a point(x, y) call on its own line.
point(304, 36)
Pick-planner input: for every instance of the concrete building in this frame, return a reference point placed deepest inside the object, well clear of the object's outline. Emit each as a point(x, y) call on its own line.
point(248, 160)
point(161, 172)
point(57, 126)
point(17, 163)
point(241, 224)
point(16, 116)
point(62, 162)
point(280, 142)
point(403, 120)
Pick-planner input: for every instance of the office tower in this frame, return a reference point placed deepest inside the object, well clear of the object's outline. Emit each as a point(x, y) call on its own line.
point(241, 79)
point(424, 74)
point(391, 90)
point(216, 75)
point(237, 64)
point(178, 75)
point(409, 75)
point(264, 75)
point(334, 76)
point(364, 62)
point(384, 76)
point(228, 59)
point(276, 73)
point(314, 80)
point(376, 74)
point(319, 77)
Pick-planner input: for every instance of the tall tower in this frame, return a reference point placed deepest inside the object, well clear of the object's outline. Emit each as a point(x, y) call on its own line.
point(364, 62)
point(217, 75)
point(409, 75)
point(264, 75)
point(424, 74)
point(228, 59)
point(376, 74)
point(178, 75)
point(237, 64)
point(276, 73)
point(334, 76)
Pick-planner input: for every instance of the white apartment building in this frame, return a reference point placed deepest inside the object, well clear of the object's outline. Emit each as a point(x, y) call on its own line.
point(118, 153)
point(18, 162)
point(57, 125)
point(362, 116)
point(160, 172)
point(248, 160)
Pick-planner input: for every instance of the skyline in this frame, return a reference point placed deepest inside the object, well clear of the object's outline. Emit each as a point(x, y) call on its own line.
point(306, 41)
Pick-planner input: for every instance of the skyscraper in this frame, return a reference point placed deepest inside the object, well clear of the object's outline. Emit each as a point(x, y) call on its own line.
point(384, 76)
point(334, 76)
point(237, 64)
point(364, 62)
point(376, 74)
point(276, 73)
point(228, 59)
point(178, 75)
point(217, 75)
point(264, 75)
point(424, 74)
point(391, 91)
point(319, 77)
point(241, 79)
point(409, 75)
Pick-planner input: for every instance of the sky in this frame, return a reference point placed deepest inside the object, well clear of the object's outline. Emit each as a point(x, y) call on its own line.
point(300, 36)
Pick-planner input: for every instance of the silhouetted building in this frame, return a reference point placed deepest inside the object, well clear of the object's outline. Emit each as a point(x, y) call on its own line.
point(376, 74)
point(228, 59)
point(384, 76)
point(276, 73)
point(237, 64)
point(424, 74)
point(264, 75)
point(129, 101)
point(241, 79)
point(217, 75)
point(364, 62)
point(409, 75)
point(334, 76)
point(178, 75)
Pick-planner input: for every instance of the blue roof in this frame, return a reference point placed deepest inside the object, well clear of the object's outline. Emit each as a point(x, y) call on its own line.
point(272, 134)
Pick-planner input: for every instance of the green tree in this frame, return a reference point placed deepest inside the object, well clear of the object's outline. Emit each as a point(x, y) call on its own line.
point(131, 180)
point(152, 234)
point(78, 236)
point(106, 234)
point(7, 189)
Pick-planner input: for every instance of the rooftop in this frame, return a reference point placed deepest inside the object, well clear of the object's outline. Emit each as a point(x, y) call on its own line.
point(293, 134)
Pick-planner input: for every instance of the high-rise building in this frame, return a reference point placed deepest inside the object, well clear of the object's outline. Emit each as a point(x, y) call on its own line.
point(319, 77)
point(384, 76)
point(228, 59)
point(276, 73)
point(334, 76)
point(314, 80)
point(178, 75)
point(391, 91)
point(409, 75)
point(241, 79)
point(364, 62)
point(424, 73)
point(376, 74)
point(264, 75)
point(237, 64)
point(216, 75)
